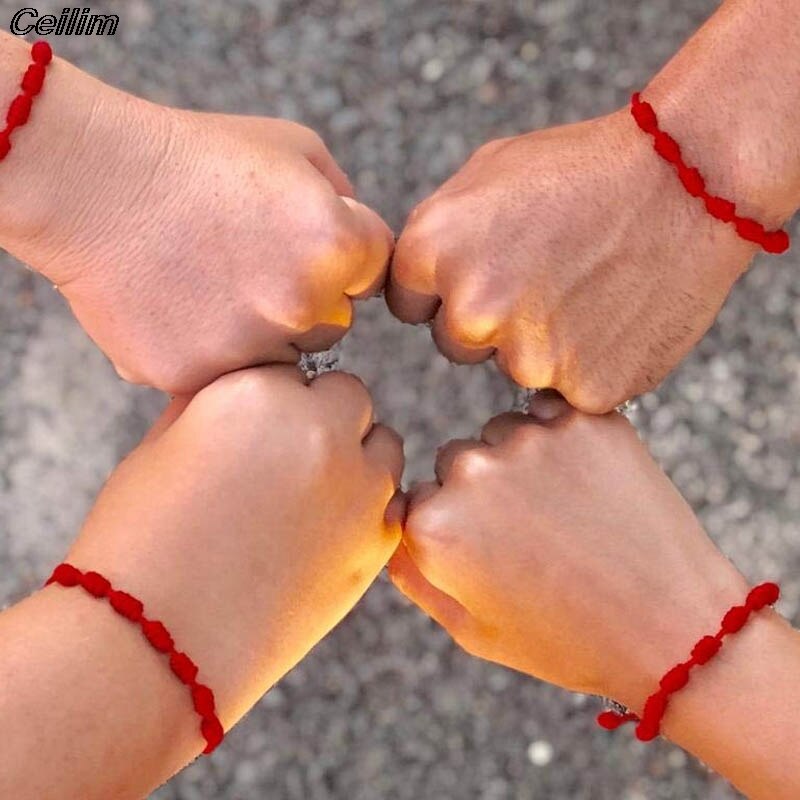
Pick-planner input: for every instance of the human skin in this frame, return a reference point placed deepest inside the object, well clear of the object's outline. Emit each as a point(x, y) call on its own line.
point(574, 255)
point(250, 521)
point(557, 547)
point(188, 244)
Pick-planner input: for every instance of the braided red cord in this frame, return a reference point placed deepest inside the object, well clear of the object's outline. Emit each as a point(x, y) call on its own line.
point(31, 84)
point(766, 594)
point(694, 183)
point(159, 637)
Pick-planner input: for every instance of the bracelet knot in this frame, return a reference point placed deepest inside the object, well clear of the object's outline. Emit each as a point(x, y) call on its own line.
point(649, 724)
point(695, 185)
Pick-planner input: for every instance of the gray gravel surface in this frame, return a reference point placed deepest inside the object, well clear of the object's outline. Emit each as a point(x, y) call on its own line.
point(386, 708)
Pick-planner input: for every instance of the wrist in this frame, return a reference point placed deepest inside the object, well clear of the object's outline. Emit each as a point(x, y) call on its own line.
point(72, 671)
point(731, 99)
point(738, 711)
point(677, 621)
point(738, 162)
point(56, 194)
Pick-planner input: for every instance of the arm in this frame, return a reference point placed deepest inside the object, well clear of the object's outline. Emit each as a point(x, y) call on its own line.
point(557, 547)
point(732, 94)
point(740, 717)
point(249, 561)
point(189, 245)
point(586, 266)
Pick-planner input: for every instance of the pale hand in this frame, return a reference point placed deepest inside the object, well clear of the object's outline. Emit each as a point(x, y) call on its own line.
point(188, 244)
point(553, 546)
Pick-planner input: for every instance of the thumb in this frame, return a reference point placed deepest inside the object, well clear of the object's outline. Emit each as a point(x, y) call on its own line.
point(378, 240)
point(547, 405)
point(409, 580)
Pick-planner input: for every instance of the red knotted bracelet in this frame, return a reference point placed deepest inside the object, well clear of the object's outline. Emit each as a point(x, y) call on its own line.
point(158, 636)
point(694, 183)
point(31, 84)
point(766, 594)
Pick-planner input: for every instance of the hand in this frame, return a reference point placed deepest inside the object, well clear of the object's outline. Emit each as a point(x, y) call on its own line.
point(251, 521)
point(557, 547)
point(574, 256)
point(188, 244)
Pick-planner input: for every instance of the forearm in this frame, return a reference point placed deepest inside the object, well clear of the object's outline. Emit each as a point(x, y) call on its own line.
point(79, 129)
point(88, 708)
point(739, 713)
point(731, 97)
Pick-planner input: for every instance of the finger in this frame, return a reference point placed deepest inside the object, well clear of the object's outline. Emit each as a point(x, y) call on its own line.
point(168, 416)
point(447, 454)
point(320, 337)
point(269, 375)
point(378, 242)
point(383, 448)
point(420, 492)
point(501, 427)
point(412, 295)
point(410, 581)
point(286, 372)
point(408, 305)
point(329, 330)
point(396, 511)
point(320, 157)
point(453, 350)
point(549, 406)
point(346, 399)
point(530, 372)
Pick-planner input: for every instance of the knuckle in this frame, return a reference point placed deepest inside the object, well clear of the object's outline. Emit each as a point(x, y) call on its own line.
point(491, 147)
point(466, 320)
point(315, 141)
point(472, 465)
point(344, 383)
point(592, 396)
point(321, 442)
point(243, 393)
point(347, 240)
point(129, 374)
point(527, 438)
point(426, 527)
point(173, 376)
point(529, 371)
point(428, 222)
point(299, 316)
point(394, 441)
point(334, 249)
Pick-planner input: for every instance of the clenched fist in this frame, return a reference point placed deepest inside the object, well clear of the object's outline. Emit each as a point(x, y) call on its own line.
point(556, 546)
point(187, 244)
point(553, 546)
point(250, 521)
point(574, 256)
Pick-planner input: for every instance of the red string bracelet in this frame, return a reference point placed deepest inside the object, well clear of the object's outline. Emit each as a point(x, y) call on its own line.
point(766, 594)
point(158, 636)
point(31, 84)
point(694, 183)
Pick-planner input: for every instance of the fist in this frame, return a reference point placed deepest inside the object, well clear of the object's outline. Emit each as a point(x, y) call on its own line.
point(252, 519)
point(190, 245)
point(571, 255)
point(553, 546)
